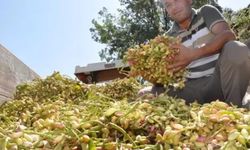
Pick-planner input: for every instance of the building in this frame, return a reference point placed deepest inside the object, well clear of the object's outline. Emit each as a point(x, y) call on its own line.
point(101, 72)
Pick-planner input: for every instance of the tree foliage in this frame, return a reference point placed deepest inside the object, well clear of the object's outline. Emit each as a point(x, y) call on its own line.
point(198, 3)
point(138, 21)
point(240, 22)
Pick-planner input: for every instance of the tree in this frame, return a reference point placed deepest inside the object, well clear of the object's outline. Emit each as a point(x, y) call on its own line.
point(239, 22)
point(137, 22)
point(198, 3)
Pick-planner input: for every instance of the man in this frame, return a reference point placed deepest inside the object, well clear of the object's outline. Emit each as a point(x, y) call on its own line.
point(219, 67)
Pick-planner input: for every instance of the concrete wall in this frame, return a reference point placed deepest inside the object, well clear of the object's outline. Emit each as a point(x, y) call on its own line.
point(12, 72)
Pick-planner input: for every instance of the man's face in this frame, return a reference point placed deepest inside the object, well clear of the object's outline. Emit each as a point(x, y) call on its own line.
point(178, 10)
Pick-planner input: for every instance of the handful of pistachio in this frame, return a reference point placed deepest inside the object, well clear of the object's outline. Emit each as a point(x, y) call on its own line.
point(150, 61)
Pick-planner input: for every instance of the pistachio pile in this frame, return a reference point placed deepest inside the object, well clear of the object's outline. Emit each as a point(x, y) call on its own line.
point(58, 113)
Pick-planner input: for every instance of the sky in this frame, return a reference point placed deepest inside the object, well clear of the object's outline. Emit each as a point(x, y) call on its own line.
point(53, 35)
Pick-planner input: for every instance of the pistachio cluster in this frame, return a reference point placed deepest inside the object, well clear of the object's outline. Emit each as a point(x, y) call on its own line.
point(151, 61)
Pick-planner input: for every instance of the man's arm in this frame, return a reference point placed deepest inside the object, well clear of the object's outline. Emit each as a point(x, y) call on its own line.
point(222, 33)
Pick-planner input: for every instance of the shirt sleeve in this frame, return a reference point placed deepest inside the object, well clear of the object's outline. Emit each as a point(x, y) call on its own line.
point(211, 15)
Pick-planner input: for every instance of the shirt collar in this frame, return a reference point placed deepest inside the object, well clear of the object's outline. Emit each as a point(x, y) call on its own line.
point(176, 26)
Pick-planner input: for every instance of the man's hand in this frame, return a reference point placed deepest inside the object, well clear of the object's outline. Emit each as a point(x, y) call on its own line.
point(131, 62)
point(184, 58)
